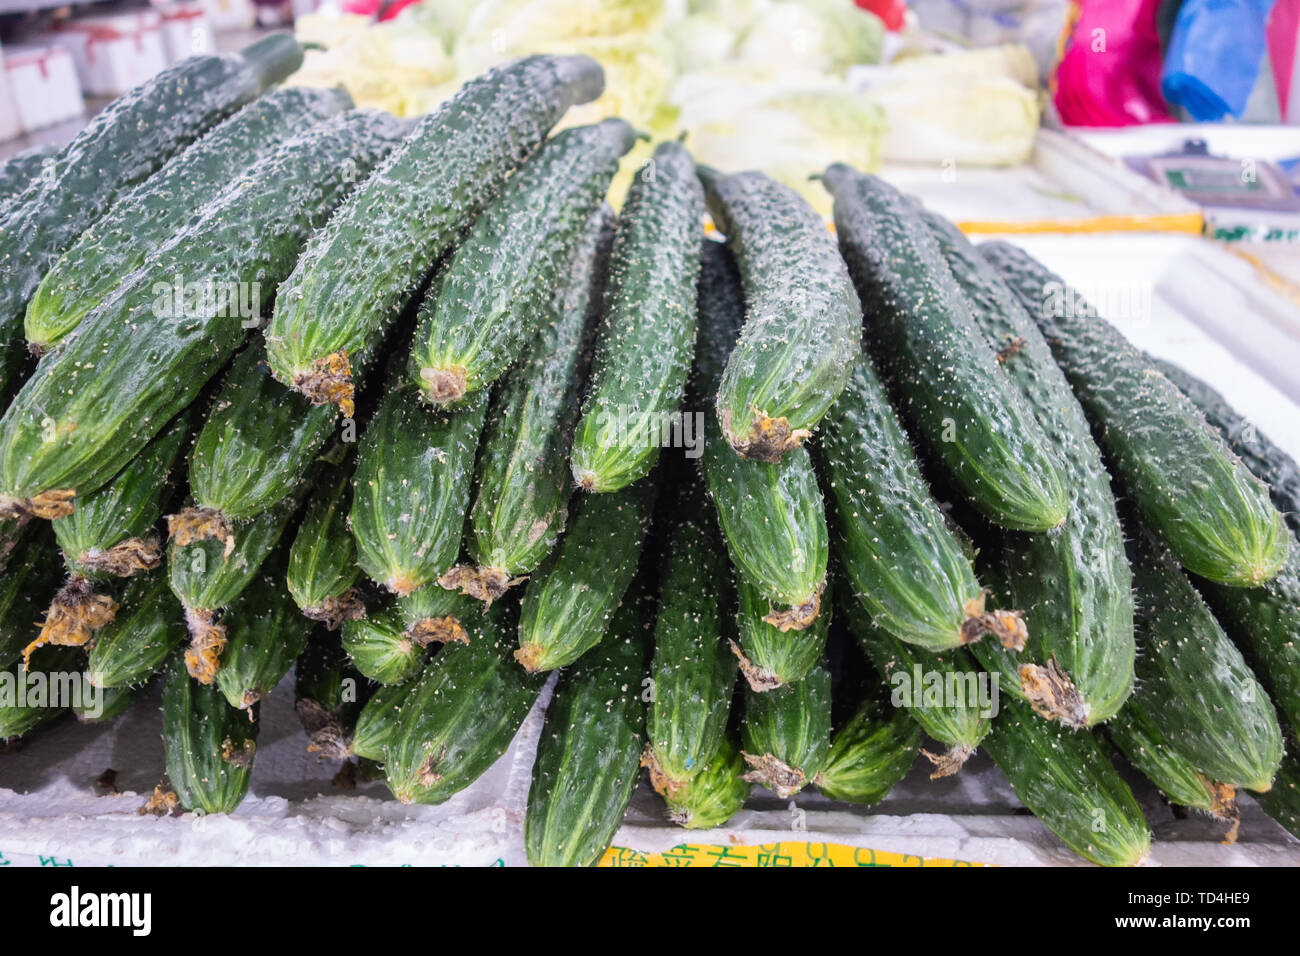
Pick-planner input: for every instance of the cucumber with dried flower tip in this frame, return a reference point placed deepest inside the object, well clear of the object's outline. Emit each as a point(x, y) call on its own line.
point(693, 672)
point(462, 712)
point(1282, 803)
point(1073, 585)
point(469, 331)
point(1213, 513)
point(21, 714)
point(944, 375)
point(786, 733)
point(264, 636)
point(770, 657)
point(771, 513)
point(143, 218)
point(415, 466)
point(329, 695)
point(715, 794)
point(121, 146)
point(803, 330)
point(588, 758)
point(323, 565)
point(144, 632)
point(102, 395)
point(358, 272)
point(869, 754)
point(209, 745)
point(388, 644)
point(572, 596)
point(521, 505)
point(647, 332)
point(1066, 779)
point(31, 577)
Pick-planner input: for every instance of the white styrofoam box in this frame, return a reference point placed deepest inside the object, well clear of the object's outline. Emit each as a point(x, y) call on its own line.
point(10, 124)
point(115, 52)
point(43, 83)
point(229, 14)
point(186, 30)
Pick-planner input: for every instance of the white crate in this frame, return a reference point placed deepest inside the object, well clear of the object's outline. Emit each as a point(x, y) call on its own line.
point(10, 124)
point(113, 53)
point(229, 14)
point(43, 84)
point(186, 30)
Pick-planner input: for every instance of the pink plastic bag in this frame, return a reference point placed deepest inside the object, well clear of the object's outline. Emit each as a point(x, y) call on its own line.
point(1109, 73)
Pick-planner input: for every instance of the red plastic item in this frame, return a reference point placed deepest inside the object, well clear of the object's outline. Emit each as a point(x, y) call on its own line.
point(891, 11)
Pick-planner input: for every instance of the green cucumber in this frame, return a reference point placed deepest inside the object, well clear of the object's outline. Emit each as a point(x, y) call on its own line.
point(647, 331)
point(377, 723)
point(1282, 803)
point(323, 565)
point(803, 333)
point(1073, 585)
point(411, 491)
point(869, 754)
point(715, 794)
point(209, 745)
point(693, 673)
point(521, 505)
point(101, 396)
point(27, 694)
point(470, 331)
point(329, 694)
point(937, 361)
point(388, 644)
point(20, 173)
point(587, 762)
point(264, 636)
point(786, 733)
point(147, 628)
point(771, 513)
point(143, 218)
point(461, 714)
point(122, 145)
point(570, 600)
point(359, 271)
point(1066, 779)
point(1214, 514)
point(770, 657)
point(110, 704)
point(32, 576)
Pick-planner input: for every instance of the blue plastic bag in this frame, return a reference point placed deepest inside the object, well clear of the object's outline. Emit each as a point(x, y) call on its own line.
point(1214, 56)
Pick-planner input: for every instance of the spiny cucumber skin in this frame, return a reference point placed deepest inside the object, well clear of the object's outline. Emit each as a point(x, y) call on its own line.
point(944, 375)
point(647, 334)
point(803, 331)
point(323, 557)
point(894, 545)
point(20, 173)
point(411, 491)
point(791, 724)
point(1214, 514)
point(1145, 746)
point(17, 719)
point(377, 723)
point(102, 395)
point(1073, 584)
point(461, 714)
point(121, 146)
point(379, 648)
point(570, 601)
point(1065, 778)
point(266, 634)
point(771, 513)
point(869, 755)
point(715, 794)
point(209, 745)
point(520, 508)
point(519, 244)
point(588, 759)
point(30, 578)
point(129, 506)
point(693, 670)
point(146, 216)
point(357, 273)
point(1282, 803)
point(776, 656)
point(135, 645)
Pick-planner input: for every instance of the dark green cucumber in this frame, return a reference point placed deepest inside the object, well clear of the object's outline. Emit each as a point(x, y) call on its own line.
point(264, 636)
point(693, 672)
point(470, 331)
point(102, 395)
point(20, 173)
point(28, 696)
point(28, 582)
point(329, 695)
point(209, 745)
point(1073, 585)
point(588, 759)
point(572, 596)
point(771, 513)
point(147, 628)
point(121, 146)
point(107, 705)
point(323, 565)
point(1282, 803)
point(869, 754)
point(146, 216)
point(715, 794)
point(647, 331)
point(358, 272)
point(461, 714)
point(388, 644)
point(770, 657)
point(377, 723)
point(521, 505)
point(803, 332)
point(936, 359)
point(786, 733)
point(1065, 778)
point(412, 485)
point(1214, 514)
point(946, 694)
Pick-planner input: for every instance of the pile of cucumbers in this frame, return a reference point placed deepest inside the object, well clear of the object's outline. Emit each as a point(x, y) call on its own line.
point(410, 409)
